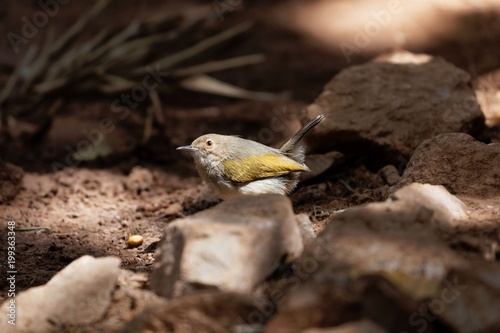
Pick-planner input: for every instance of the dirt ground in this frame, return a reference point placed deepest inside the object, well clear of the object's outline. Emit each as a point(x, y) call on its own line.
point(93, 207)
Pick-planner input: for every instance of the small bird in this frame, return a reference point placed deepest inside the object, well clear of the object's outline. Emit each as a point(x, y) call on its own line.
point(232, 166)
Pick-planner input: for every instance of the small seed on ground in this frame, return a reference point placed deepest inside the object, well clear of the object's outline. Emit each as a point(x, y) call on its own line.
point(135, 241)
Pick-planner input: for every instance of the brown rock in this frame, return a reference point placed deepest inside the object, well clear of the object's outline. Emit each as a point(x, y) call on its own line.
point(380, 260)
point(329, 302)
point(233, 246)
point(204, 312)
point(388, 240)
point(361, 326)
point(469, 300)
point(79, 294)
point(386, 109)
point(467, 168)
point(390, 174)
point(458, 162)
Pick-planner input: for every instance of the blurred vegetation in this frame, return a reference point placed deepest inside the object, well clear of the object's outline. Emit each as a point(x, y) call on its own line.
point(118, 59)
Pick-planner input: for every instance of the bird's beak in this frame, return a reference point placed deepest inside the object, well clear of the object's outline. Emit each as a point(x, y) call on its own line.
point(188, 148)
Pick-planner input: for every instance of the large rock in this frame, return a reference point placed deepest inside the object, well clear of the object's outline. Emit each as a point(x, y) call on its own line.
point(468, 169)
point(233, 246)
point(391, 237)
point(387, 108)
point(381, 260)
point(469, 301)
point(79, 294)
point(391, 262)
point(458, 162)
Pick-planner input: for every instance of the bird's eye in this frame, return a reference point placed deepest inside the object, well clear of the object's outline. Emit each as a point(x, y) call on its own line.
point(209, 143)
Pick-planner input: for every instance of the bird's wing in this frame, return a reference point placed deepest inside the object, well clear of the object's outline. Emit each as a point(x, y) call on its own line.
point(260, 166)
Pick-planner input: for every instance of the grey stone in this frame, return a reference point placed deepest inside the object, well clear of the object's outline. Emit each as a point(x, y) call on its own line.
point(233, 246)
point(79, 294)
point(389, 174)
point(447, 210)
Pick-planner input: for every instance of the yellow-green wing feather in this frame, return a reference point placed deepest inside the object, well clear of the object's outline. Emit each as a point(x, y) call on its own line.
point(261, 166)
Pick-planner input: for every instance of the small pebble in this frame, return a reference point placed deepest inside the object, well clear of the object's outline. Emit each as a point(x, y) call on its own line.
point(135, 241)
point(390, 175)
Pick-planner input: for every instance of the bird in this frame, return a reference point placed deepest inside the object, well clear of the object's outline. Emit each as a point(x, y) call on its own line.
point(232, 166)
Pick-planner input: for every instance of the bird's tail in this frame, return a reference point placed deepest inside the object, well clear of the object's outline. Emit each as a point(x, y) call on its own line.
point(290, 145)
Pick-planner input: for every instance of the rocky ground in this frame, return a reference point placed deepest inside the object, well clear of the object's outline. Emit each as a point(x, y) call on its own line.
point(395, 229)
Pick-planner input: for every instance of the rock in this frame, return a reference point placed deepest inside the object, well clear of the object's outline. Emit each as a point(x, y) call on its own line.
point(362, 326)
point(465, 167)
point(381, 260)
point(447, 210)
point(79, 294)
point(400, 273)
point(11, 178)
point(306, 228)
point(232, 247)
point(322, 302)
point(465, 300)
point(389, 174)
point(201, 312)
point(386, 109)
point(409, 209)
point(468, 301)
point(389, 239)
point(458, 162)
